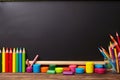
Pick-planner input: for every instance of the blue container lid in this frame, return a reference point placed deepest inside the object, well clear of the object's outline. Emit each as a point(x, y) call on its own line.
point(99, 66)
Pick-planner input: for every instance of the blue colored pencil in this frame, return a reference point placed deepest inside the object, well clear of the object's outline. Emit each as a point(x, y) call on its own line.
point(20, 60)
point(113, 67)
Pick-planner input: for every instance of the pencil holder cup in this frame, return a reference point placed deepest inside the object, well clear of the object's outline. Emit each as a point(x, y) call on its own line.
point(29, 69)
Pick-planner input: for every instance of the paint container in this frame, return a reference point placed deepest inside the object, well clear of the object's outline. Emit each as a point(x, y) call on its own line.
point(79, 70)
point(68, 73)
point(44, 69)
point(89, 67)
point(72, 67)
point(36, 68)
point(51, 72)
point(100, 70)
point(29, 69)
point(58, 69)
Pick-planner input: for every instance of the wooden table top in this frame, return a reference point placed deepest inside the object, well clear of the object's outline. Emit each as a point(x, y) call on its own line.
point(44, 76)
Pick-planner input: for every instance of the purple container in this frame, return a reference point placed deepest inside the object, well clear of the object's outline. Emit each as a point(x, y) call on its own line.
point(29, 69)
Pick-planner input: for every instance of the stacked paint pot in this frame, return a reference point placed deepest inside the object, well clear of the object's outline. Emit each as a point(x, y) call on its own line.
point(99, 68)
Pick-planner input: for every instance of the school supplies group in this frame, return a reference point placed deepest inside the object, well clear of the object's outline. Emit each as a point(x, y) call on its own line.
point(12, 60)
point(113, 53)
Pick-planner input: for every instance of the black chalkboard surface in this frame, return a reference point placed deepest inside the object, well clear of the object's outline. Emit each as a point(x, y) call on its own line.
point(59, 30)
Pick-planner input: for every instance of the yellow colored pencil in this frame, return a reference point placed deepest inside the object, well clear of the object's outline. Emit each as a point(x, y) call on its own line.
point(106, 53)
point(116, 59)
point(14, 61)
point(3, 59)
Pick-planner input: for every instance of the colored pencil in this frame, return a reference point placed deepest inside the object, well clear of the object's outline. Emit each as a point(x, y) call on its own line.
point(105, 52)
point(115, 43)
point(118, 39)
point(3, 59)
point(23, 60)
point(113, 67)
point(20, 60)
point(10, 60)
point(0, 61)
point(6, 60)
point(116, 58)
point(14, 61)
point(17, 60)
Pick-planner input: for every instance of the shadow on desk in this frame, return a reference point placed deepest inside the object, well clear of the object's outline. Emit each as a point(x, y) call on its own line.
point(44, 76)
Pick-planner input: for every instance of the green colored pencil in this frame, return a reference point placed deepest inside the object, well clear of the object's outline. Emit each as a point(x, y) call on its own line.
point(17, 63)
point(23, 60)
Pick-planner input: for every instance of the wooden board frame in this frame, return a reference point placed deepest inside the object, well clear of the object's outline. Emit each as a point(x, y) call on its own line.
point(66, 62)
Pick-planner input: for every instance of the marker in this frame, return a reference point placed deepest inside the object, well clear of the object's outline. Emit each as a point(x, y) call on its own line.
point(3, 59)
point(23, 60)
point(0, 61)
point(20, 60)
point(17, 61)
point(10, 60)
point(14, 61)
point(6, 60)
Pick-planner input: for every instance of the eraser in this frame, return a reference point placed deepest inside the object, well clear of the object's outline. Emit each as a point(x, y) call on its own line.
point(68, 73)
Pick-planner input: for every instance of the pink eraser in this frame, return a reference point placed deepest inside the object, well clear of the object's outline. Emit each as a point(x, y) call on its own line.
point(29, 69)
point(68, 73)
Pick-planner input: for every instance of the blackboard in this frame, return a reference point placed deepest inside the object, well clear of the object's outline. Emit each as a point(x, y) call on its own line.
point(59, 30)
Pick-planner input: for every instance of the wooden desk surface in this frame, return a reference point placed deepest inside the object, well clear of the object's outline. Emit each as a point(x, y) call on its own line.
point(44, 76)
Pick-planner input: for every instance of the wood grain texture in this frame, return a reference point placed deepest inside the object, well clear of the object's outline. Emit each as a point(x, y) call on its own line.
point(44, 76)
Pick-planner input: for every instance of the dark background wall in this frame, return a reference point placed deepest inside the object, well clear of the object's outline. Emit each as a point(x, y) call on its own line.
point(59, 30)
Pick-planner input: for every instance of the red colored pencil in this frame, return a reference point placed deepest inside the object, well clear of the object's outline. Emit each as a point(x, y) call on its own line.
point(10, 60)
point(115, 43)
point(118, 39)
point(6, 60)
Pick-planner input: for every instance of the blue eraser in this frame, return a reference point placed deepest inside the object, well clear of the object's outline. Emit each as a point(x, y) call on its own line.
point(99, 66)
point(79, 70)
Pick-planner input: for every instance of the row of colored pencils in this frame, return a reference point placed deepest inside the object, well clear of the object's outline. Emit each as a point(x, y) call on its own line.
point(113, 53)
point(12, 60)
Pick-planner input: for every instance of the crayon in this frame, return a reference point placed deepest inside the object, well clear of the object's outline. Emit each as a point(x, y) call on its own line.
point(23, 60)
point(14, 61)
point(3, 59)
point(20, 60)
point(10, 60)
point(6, 60)
point(17, 60)
point(0, 61)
